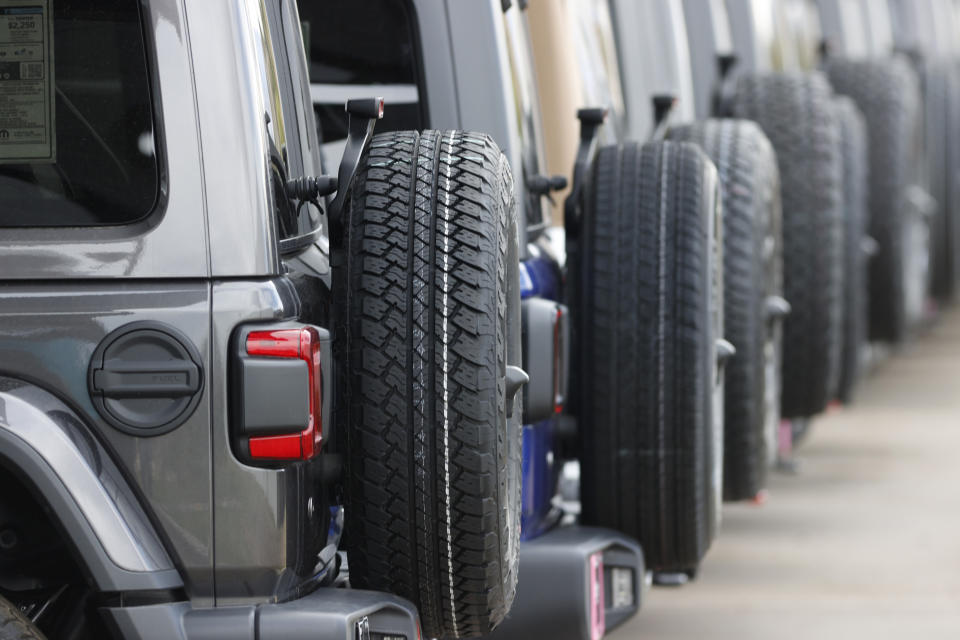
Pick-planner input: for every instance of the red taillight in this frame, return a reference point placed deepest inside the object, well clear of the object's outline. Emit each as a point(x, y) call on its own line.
point(276, 344)
point(277, 447)
point(301, 344)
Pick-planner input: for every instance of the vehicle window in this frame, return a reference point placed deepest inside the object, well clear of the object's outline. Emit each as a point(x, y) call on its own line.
point(78, 140)
point(359, 49)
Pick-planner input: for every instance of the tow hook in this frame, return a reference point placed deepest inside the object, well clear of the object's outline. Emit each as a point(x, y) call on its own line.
point(516, 378)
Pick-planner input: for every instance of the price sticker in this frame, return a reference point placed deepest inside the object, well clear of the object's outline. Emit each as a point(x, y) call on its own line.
point(27, 101)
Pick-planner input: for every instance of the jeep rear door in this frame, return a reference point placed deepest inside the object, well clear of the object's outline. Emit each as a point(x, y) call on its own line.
point(109, 230)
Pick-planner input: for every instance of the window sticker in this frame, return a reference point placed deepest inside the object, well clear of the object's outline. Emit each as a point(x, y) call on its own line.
point(27, 133)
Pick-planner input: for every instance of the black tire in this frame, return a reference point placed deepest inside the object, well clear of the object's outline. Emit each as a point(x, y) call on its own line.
point(433, 313)
point(753, 267)
point(887, 92)
point(796, 113)
point(952, 192)
point(853, 135)
point(647, 262)
point(940, 79)
point(14, 625)
point(951, 196)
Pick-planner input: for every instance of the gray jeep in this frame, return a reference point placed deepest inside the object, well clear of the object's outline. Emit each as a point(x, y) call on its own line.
point(197, 327)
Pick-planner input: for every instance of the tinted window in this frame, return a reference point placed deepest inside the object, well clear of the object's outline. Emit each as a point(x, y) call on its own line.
point(102, 168)
point(359, 41)
point(352, 44)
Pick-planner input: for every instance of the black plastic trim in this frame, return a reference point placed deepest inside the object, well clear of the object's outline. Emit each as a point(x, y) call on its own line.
point(562, 557)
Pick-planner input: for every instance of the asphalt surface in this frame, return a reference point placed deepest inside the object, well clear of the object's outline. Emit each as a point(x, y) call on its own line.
point(864, 542)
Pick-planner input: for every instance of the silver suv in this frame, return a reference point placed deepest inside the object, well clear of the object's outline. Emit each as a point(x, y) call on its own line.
point(197, 328)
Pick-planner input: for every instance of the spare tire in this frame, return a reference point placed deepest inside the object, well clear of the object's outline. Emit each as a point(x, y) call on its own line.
point(853, 136)
point(887, 93)
point(648, 312)
point(796, 113)
point(940, 79)
point(951, 196)
point(752, 284)
point(433, 429)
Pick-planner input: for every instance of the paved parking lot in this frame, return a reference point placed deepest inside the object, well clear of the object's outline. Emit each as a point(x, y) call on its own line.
point(864, 542)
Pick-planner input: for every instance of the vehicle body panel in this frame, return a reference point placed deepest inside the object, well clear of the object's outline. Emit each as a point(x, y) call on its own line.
point(63, 463)
point(856, 28)
point(55, 354)
point(231, 105)
point(654, 60)
point(708, 35)
point(270, 523)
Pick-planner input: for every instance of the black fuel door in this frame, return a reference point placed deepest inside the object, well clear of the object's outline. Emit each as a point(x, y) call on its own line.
point(145, 378)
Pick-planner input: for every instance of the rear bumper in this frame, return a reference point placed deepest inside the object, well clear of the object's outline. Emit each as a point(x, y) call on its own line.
point(325, 614)
point(575, 584)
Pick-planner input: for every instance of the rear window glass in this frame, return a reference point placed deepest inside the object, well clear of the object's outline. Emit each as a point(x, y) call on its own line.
point(359, 41)
point(77, 134)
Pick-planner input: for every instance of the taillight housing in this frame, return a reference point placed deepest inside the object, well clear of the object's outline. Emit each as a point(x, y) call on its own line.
point(280, 393)
point(546, 339)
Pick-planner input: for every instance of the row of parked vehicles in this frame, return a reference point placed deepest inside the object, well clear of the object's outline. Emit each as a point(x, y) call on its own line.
point(427, 318)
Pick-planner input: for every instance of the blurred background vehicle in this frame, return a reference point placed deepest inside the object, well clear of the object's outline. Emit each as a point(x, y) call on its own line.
point(627, 419)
